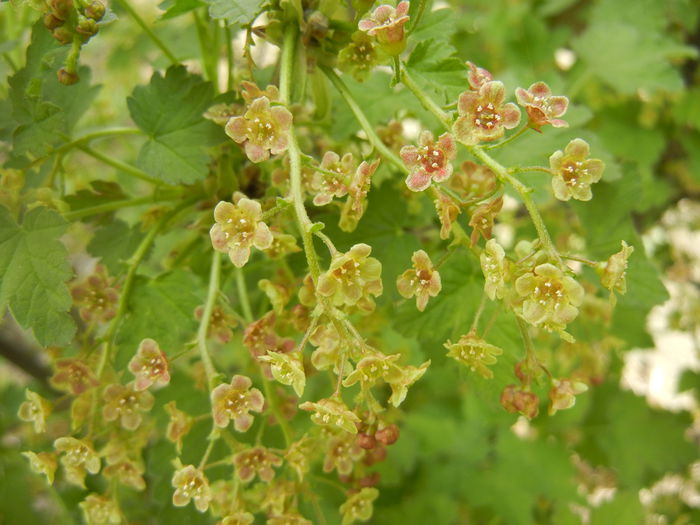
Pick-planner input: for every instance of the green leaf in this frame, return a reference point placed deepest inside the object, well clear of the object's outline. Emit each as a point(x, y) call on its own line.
point(434, 65)
point(624, 509)
point(34, 268)
point(438, 24)
point(241, 12)
point(100, 192)
point(114, 243)
point(174, 8)
point(169, 110)
point(162, 309)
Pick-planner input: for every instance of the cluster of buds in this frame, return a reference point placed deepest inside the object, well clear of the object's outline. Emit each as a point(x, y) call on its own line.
point(67, 23)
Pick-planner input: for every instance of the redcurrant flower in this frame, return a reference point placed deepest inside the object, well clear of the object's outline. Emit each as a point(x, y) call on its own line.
point(238, 227)
point(495, 269)
point(422, 281)
point(447, 211)
point(332, 412)
point(256, 461)
point(542, 107)
point(250, 91)
point(263, 130)
point(73, 376)
point(279, 294)
point(220, 114)
point(341, 454)
point(515, 400)
point(100, 510)
point(34, 410)
point(179, 425)
point(612, 272)
point(234, 401)
point(352, 279)
point(373, 368)
point(387, 25)
point(356, 204)
point(191, 484)
point(282, 245)
point(42, 463)
point(482, 219)
point(475, 353)
point(78, 458)
point(328, 186)
point(574, 172)
point(473, 181)
point(288, 369)
point(126, 404)
point(563, 394)
point(126, 472)
point(550, 298)
point(299, 454)
point(483, 116)
point(220, 323)
point(359, 56)
point(149, 366)
point(478, 76)
point(358, 506)
point(95, 297)
point(409, 375)
point(430, 161)
point(237, 518)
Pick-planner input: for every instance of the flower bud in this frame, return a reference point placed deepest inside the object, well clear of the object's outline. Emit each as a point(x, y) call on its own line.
point(51, 21)
point(86, 27)
point(520, 401)
point(366, 441)
point(95, 10)
point(64, 36)
point(388, 435)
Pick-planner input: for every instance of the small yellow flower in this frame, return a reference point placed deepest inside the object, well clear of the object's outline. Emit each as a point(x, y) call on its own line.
point(191, 484)
point(238, 227)
point(34, 410)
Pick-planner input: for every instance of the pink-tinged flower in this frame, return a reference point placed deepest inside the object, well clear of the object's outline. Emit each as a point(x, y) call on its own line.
point(149, 366)
point(238, 227)
point(220, 323)
point(422, 281)
point(475, 353)
point(73, 376)
point(179, 425)
point(483, 116)
point(359, 506)
point(42, 463)
point(352, 279)
point(430, 161)
point(78, 458)
point(332, 412)
point(447, 211)
point(334, 181)
point(574, 172)
point(234, 401)
point(34, 410)
point(256, 461)
point(100, 510)
point(250, 91)
point(478, 76)
point(542, 107)
point(359, 56)
point(515, 400)
point(563, 394)
point(550, 298)
point(356, 204)
point(341, 454)
point(191, 484)
point(95, 296)
point(482, 219)
point(126, 404)
point(387, 25)
point(260, 337)
point(262, 129)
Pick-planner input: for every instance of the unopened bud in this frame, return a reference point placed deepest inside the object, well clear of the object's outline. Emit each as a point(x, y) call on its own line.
point(67, 78)
point(95, 11)
point(86, 27)
point(520, 401)
point(61, 8)
point(63, 35)
point(51, 21)
point(370, 480)
point(366, 441)
point(388, 435)
point(376, 455)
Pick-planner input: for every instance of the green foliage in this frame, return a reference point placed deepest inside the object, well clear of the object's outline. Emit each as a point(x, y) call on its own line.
point(241, 12)
point(169, 110)
point(34, 269)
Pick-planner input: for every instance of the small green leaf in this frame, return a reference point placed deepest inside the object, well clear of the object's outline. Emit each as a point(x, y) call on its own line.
point(34, 268)
point(241, 12)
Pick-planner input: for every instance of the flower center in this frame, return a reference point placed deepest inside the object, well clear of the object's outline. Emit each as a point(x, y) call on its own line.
point(486, 116)
point(432, 159)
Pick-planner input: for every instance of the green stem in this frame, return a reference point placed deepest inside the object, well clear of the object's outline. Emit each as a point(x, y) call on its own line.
point(422, 4)
point(146, 29)
point(530, 356)
point(363, 121)
point(477, 316)
point(229, 57)
point(275, 408)
point(121, 166)
point(526, 169)
point(428, 103)
point(327, 241)
point(243, 296)
point(111, 206)
point(209, 68)
point(213, 291)
point(510, 138)
point(294, 153)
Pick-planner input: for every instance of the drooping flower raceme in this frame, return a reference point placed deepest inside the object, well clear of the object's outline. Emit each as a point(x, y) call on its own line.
point(483, 115)
point(430, 161)
point(422, 281)
point(387, 24)
point(263, 130)
point(234, 402)
point(238, 227)
point(574, 172)
point(542, 107)
point(550, 298)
